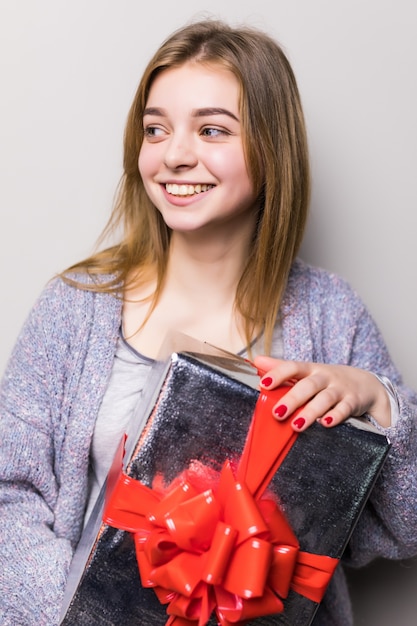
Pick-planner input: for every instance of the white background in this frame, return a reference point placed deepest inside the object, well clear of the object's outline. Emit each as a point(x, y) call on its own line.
point(68, 72)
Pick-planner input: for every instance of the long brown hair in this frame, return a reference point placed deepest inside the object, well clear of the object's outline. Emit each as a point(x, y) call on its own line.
point(276, 151)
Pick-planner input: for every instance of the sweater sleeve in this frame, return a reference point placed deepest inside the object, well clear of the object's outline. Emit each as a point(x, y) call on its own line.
point(387, 526)
point(324, 320)
point(44, 435)
point(49, 399)
point(34, 558)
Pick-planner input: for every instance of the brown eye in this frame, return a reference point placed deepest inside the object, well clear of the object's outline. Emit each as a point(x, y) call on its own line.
point(209, 131)
point(153, 132)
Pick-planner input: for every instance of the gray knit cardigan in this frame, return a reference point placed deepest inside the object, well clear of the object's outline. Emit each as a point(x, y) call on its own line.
point(49, 399)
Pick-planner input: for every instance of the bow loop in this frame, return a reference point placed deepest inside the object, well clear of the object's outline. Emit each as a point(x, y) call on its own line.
point(220, 553)
point(192, 523)
point(239, 507)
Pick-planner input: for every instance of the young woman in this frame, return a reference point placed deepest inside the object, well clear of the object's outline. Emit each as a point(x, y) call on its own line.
point(212, 205)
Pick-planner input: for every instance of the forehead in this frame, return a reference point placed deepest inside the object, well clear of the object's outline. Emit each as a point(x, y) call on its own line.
point(195, 85)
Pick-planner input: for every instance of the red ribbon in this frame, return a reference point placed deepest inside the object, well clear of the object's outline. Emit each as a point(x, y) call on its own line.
point(208, 543)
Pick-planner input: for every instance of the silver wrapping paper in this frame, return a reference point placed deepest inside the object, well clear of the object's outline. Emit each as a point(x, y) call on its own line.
point(198, 406)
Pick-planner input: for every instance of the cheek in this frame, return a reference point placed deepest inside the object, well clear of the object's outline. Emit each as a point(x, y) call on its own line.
point(142, 162)
point(146, 171)
point(234, 168)
point(226, 164)
point(147, 162)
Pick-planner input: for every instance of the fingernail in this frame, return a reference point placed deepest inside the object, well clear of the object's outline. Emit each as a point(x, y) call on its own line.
point(280, 410)
point(328, 419)
point(267, 381)
point(299, 422)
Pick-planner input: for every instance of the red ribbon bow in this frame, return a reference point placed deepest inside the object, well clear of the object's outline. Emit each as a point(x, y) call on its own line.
point(225, 547)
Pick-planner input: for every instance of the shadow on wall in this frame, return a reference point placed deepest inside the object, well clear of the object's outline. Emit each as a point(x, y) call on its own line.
point(384, 593)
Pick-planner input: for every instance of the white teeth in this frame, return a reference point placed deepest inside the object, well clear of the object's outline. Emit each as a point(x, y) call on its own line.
point(186, 190)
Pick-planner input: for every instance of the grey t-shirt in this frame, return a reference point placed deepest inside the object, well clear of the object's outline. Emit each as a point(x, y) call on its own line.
point(127, 380)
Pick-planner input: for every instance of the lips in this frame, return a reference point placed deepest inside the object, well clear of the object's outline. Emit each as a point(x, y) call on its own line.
point(186, 190)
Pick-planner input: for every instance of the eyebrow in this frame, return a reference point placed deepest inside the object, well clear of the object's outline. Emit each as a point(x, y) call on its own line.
point(205, 112)
point(214, 111)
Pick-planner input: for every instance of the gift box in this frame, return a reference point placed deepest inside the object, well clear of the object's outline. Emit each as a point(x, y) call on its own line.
point(214, 510)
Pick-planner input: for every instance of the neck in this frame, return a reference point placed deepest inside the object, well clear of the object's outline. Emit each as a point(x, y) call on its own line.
point(197, 297)
point(204, 266)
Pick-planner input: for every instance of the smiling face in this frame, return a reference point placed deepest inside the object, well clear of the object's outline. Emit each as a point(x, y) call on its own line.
point(192, 160)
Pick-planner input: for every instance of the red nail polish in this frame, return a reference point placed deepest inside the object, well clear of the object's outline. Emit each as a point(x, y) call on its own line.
point(280, 410)
point(267, 381)
point(299, 422)
point(328, 419)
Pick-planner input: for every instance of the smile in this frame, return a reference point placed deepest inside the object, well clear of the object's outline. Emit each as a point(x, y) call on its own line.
point(186, 190)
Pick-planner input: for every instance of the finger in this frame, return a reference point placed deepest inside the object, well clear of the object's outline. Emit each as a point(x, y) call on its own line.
point(278, 371)
point(310, 393)
point(267, 365)
point(314, 411)
point(338, 414)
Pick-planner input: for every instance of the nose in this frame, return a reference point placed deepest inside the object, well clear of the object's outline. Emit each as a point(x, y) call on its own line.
point(180, 151)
